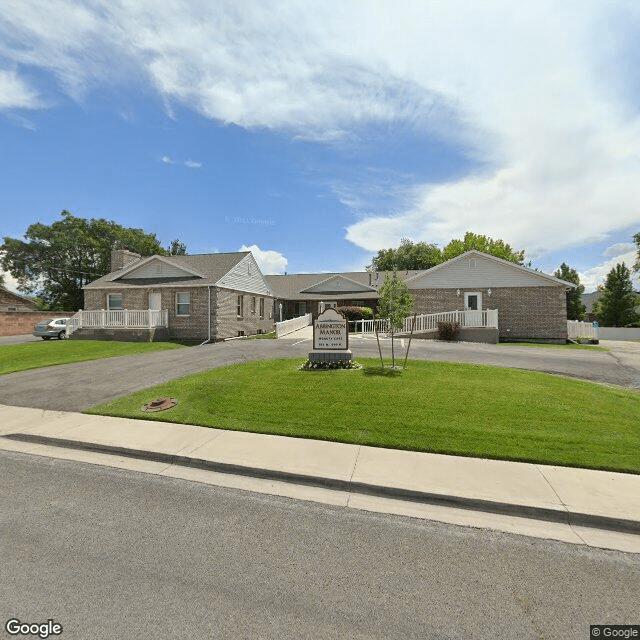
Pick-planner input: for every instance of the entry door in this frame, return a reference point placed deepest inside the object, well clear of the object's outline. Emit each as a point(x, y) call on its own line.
point(155, 301)
point(473, 308)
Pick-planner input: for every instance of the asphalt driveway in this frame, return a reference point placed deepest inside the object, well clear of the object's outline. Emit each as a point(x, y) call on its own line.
point(74, 387)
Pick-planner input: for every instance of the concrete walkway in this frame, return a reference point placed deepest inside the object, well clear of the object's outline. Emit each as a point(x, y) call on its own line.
point(581, 506)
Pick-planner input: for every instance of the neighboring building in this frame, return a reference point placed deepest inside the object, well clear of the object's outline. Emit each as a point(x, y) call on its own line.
point(531, 305)
point(209, 296)
point(10, 301)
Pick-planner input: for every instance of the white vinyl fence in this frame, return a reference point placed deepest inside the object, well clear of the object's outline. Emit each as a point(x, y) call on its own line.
point(576, 328)
point(289, 326)
point(429, 322)
point(121, 318)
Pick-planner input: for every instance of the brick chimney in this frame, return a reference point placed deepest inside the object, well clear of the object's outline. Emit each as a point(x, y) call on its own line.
point(121, 258)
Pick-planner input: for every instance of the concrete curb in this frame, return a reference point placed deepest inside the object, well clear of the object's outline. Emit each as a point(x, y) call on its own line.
point(620, 525)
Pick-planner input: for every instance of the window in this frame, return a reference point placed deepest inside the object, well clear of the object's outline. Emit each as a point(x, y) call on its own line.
point(253, 304)
point(262, 307)
point(183, 304)
point(240, 310)
point(473, 301)
point(473, 263)
point(114, 301)
point(12, 308)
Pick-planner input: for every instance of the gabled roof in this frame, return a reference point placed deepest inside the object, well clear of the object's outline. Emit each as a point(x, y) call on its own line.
point(299, 286)
point(128, 272)
point(499, 262)
point(199, 270)
point(17, 295)
point(338, 284)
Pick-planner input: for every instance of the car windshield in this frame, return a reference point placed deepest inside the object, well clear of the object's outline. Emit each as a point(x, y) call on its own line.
point(45, 321)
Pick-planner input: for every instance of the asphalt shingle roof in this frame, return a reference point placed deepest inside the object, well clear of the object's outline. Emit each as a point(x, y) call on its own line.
point(212, 266)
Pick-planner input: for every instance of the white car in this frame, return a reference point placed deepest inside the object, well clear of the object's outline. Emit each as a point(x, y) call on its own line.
point(51, 328)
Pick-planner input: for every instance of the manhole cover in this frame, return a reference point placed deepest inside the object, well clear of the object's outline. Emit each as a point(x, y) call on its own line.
point(160, 404)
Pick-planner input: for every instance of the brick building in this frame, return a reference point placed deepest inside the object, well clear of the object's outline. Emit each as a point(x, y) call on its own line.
point(209, 296)
point(531, 305)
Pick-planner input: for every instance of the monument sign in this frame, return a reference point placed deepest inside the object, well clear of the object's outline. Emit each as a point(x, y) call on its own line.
point(330, 331)
point(330, 337)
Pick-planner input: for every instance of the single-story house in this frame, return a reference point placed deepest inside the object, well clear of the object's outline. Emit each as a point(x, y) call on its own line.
point(202, 297)
point(10, 301)
point(531, 305)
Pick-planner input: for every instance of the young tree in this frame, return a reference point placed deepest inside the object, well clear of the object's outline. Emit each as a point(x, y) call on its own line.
point(575, 308)
point(57, 260)
point(616, 307)
point(395, 302)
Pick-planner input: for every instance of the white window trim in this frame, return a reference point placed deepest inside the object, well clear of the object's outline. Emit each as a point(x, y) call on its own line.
point(109, 303)
point(183, 315)
point(466, 299)
point(240, 300)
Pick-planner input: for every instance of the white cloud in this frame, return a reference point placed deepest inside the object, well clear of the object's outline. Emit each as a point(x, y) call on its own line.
point(271, 262)
point(618, 249)
point(591, 278)
point(10, 282)
point(15, 93)
point(166, 160)
point(192, 164)
point(538, 93)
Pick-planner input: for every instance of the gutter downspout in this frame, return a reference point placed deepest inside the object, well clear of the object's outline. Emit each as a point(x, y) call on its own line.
point(209, 325)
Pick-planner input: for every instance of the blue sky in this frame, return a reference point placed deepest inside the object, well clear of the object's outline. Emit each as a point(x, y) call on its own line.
point(316, 133)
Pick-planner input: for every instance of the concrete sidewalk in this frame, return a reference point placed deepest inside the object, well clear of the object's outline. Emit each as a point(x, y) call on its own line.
point(582, 506)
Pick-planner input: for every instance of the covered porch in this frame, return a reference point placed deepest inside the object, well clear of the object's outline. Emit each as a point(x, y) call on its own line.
point(119, 324)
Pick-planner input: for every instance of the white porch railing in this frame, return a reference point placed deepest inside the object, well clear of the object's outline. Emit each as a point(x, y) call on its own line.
point(289, 326)
point(121, 319)
point(576, 328)
point(429, 322)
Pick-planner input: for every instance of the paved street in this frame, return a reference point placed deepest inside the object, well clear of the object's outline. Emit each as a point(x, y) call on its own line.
point(116, 554)
point(75, 387)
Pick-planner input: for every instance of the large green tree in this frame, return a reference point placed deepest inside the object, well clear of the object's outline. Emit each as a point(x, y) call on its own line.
point(636, 239)
point(497, 248)
point(616, 306)
point(406, 257)
point(57, 260)
point(395, 302)
point(420, 255)
point(575, 308)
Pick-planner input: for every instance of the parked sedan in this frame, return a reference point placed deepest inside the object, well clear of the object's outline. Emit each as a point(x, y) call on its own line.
point(51, 328)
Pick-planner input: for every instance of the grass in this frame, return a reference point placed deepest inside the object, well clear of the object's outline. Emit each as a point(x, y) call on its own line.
point(262, 336)
point(460, 409)
point(34, 355)
point(544, 345)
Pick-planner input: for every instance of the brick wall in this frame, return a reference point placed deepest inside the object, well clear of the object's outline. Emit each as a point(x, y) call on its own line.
point(17, 323)
point(525, 313)
point(227, 324)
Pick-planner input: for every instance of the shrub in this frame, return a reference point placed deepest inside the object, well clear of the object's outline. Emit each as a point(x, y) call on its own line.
point(351, 313)
point(448, 330)
point(367, 313)
point(335, 364)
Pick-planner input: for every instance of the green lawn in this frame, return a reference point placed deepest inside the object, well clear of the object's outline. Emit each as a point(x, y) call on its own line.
point(33, 355)
point(459, 409)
